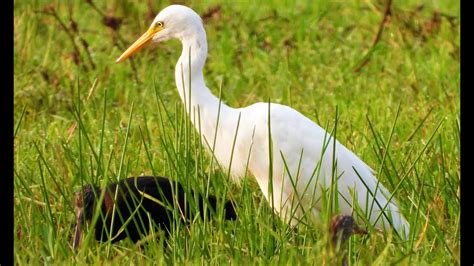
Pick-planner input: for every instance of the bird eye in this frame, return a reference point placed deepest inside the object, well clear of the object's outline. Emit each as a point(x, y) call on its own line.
point(157, 26)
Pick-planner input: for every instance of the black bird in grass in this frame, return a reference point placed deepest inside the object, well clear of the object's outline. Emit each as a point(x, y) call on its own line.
point(137, 199)
point(342, 228)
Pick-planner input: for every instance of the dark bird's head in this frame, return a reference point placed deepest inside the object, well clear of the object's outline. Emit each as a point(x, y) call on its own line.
point(342, 228)
point(84, 201)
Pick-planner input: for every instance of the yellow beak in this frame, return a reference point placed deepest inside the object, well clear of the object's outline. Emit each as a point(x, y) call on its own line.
point(138, 44)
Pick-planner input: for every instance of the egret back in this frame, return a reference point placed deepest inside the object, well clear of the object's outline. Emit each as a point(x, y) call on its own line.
point(305, 165)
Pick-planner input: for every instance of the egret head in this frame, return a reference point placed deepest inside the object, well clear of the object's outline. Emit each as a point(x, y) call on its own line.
point(175, 21)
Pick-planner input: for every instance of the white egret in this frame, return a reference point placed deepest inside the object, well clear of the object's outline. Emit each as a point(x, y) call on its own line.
point(301, 155)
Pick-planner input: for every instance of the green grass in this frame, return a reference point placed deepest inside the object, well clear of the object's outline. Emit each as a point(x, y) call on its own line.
point(75, 123)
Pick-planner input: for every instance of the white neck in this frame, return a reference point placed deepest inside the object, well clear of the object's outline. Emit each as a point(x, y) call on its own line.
point(191, 63)
point(200, 104)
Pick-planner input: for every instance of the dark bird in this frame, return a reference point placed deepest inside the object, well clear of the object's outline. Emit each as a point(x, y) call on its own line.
point(137, 199)
point(342, 228)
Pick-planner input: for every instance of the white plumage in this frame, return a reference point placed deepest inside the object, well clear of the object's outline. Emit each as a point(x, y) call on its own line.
point(306, 148)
